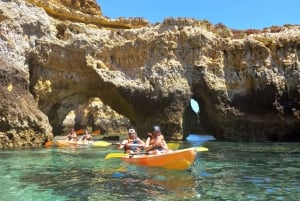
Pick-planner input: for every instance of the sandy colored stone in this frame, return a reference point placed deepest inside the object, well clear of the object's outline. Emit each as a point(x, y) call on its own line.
point(63, 54)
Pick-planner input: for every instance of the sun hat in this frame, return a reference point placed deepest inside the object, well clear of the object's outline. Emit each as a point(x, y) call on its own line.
point(131, 131)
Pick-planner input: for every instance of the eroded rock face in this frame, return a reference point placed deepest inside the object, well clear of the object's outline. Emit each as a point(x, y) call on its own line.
point(85, 11)
point(255, 90)
point(22, 123)
point(248, 88)
point(85, 6)
point(97, 117)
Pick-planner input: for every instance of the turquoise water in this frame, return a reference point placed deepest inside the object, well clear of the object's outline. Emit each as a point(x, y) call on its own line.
point(228, 171)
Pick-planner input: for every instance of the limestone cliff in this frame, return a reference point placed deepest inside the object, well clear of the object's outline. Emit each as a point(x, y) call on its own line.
point(86, 11)
point(247, 84)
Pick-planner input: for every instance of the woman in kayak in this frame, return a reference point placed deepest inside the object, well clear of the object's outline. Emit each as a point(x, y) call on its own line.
point(87, 136)
point(155, 143)
point(132, 144)
point(72, 135)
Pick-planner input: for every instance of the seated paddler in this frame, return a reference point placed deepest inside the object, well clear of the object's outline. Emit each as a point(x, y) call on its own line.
point(155, 143)
point(132, 144)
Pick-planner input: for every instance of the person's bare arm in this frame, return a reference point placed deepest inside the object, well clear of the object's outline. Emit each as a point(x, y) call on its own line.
point(147, 144)
point(123, 143)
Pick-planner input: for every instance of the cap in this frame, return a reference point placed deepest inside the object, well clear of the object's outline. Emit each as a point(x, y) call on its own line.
point(156, 129)
point(131, 131)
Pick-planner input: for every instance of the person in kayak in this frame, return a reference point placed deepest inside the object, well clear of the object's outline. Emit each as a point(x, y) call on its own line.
point(132, 144)
point(155, 143)
point(72, 135)
point(87, 136)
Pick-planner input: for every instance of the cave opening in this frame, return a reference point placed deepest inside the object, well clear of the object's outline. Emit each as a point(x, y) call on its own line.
point(196, 134)
point(195, 106)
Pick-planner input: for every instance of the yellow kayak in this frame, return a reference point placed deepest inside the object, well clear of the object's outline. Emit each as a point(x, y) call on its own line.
point(65, 143)
point(177, 160)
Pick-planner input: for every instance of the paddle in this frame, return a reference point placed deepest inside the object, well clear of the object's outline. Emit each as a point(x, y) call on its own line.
point(120, 155)
point(105, 144)
point(79, 132)
point(101, 143)
point(48, 144)
point(96, 132)
point(171, 145)
point(201, 149)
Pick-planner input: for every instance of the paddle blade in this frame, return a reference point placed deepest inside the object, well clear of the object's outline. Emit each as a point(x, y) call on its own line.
point(201, 148)
point(101, 144)
point(96, 132)
point(79, 132)
point(173, 145)
point(48, 144)
point(115, 155)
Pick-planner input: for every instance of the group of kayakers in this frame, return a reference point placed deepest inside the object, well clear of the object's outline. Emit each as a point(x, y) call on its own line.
point(72, 136)
point(155, 143)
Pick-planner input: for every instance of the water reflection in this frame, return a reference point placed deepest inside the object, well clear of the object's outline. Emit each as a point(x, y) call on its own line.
point(70, 176)
point(195, 140)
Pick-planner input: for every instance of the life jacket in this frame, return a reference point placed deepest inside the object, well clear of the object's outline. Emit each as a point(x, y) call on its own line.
point(132, 148)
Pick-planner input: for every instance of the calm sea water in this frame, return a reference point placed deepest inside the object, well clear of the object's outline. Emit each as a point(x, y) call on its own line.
point(228, 171)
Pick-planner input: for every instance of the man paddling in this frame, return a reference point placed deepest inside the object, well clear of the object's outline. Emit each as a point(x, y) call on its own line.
point(132, 144)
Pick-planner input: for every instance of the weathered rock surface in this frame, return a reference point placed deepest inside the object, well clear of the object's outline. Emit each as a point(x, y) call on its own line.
point(97, 117)
point(248, 88)
point(22, 123)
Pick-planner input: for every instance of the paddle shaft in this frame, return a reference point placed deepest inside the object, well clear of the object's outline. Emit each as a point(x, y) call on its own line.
point(140, 153)
point(105, 144)
point(120, 155)
point(130, 144)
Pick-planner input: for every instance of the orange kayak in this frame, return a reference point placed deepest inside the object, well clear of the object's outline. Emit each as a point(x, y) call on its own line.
point(177, 160)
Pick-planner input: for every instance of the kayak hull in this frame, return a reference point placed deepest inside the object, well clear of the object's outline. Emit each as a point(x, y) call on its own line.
point(65, 143)
point(176, 160)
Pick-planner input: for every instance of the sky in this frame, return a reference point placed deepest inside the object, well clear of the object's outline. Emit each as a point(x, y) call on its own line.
point(235, 14)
